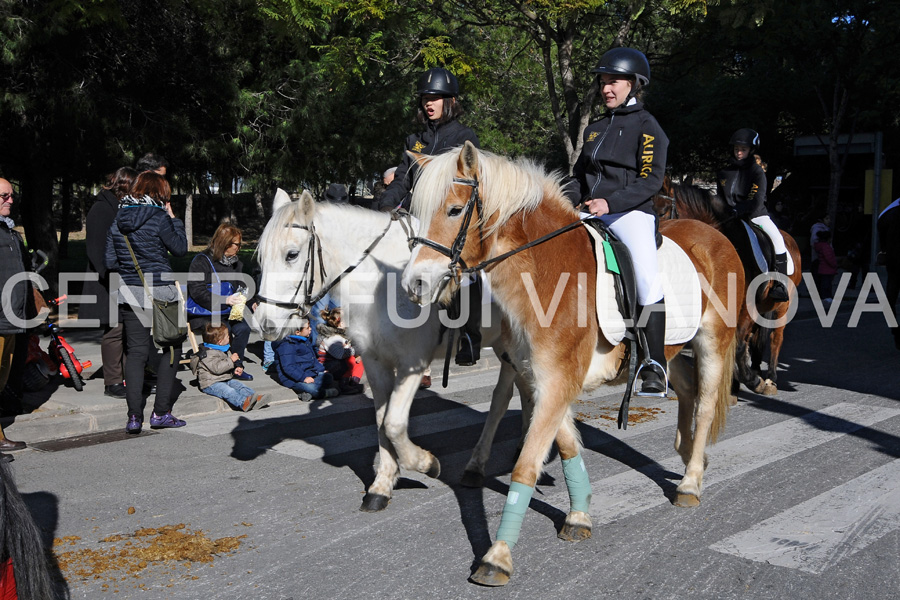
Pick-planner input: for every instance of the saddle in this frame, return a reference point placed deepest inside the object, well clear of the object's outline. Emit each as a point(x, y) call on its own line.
point(754, 246)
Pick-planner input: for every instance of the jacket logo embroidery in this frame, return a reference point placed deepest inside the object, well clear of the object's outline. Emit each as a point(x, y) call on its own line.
point(418, 146)
point(647, 156)
point(593, 136)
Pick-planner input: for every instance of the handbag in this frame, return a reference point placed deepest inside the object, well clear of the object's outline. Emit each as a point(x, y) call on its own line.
point(221, 288)
point(169, 328)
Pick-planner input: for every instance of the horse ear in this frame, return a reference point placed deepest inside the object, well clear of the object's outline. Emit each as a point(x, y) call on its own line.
point(281, 198)
point(419, 159)
point(307, 206)
point(468, 160)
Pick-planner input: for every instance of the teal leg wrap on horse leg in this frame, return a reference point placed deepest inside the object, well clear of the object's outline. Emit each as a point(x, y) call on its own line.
point(578, 483)
point(517, 501)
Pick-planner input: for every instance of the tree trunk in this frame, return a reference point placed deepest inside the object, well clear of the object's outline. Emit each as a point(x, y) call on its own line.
point(189, 219)
point(66, 219)
point(37, 217)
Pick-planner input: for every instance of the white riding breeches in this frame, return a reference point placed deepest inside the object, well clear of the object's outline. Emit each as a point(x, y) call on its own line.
point(768, 225)
point(637, 230)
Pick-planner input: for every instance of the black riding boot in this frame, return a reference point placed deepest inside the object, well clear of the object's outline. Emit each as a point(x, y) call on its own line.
point(655, 332)
point(469, 350)
point(778, 293)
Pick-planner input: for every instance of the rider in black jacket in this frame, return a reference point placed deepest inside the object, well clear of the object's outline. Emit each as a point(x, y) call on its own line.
point(621, 167)
point(438, 114)
point(742, 184)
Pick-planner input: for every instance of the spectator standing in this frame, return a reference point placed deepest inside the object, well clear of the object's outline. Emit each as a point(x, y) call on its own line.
point(12, 263)
point(889, 238)
point(298, 366)
point(145, 231)
point(827, 265)
point(99, 220)
point(818, 226)
point(212, 296)
point(152, 162)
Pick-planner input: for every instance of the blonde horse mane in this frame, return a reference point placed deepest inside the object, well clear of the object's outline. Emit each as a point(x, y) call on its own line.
point(507, 186)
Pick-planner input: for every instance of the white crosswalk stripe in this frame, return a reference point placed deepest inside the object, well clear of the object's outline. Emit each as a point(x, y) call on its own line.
point(817, 534)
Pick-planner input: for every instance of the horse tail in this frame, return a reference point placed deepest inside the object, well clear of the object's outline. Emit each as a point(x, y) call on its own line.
point(723, 401)
point(20, 541)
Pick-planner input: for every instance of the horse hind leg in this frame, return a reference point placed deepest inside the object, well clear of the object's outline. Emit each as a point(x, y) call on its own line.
point(578, 521)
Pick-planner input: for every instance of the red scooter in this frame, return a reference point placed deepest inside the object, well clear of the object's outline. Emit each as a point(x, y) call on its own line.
point(60, 358)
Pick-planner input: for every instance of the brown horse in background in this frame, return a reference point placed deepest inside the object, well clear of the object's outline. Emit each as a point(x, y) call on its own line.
point(476, 206)
point(678, 201)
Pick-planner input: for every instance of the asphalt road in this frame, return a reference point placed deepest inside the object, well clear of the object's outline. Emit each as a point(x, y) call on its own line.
point(801, 498)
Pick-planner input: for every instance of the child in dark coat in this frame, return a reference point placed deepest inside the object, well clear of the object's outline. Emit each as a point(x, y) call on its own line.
point(299, 368)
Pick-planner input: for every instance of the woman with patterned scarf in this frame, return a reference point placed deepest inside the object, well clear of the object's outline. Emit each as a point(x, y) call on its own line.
point(212, 294)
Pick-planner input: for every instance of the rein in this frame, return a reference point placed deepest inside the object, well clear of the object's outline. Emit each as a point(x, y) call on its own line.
point(673, 207)
point(315, 249)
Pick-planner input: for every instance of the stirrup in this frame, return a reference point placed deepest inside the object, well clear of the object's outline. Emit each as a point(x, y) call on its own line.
point(656, 367)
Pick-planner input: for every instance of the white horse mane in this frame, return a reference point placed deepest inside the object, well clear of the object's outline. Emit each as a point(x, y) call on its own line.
point(507, 186)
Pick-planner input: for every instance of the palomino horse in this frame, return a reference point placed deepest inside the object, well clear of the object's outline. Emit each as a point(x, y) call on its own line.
point(305, 247)
point(489, 206)
point(676, 201)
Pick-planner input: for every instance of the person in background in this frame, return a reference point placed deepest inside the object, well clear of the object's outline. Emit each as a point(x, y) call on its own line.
point(827, 266)
point(621, 167)
point(212, 296)
point(298, 366)
point(742, 184)
point(889, 238)
point(152, 162)
point(99, 220)
point(12, 263)
point(817, 227)
point(146, 226)
point(337, 354)
point(214, 366)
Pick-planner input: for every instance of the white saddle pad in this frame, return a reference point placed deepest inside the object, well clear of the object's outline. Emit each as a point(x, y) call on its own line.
point(681, 287)
point(758, 253)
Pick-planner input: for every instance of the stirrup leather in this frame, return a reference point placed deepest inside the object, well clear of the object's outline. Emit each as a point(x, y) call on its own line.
point(656, 367)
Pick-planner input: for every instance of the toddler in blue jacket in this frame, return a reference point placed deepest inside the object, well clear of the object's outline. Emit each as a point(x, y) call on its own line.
point(298, 366)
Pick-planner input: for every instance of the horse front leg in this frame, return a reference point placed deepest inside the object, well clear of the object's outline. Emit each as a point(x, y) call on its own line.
point(396, 425)
point(553, 396)
point(473, 476)
point(381, 382)
point(578, 524)
point(776, 340)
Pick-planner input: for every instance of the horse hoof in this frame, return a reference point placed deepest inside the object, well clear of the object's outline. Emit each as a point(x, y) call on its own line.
point(574, 533)
point(472, 479)
point(374, 502)
point(732, 401)
point(490, 575)
point(434, 470)
point(686, 500)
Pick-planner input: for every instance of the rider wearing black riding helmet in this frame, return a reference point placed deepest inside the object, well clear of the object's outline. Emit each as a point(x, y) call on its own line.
point(742, 184)
point(438, 113)
point(621, 167)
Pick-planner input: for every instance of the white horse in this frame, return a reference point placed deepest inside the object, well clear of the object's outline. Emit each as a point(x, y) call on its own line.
point(304, 248)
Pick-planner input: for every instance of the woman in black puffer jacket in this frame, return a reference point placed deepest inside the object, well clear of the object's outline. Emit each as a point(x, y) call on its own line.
point(146, 220)
point(214, 295)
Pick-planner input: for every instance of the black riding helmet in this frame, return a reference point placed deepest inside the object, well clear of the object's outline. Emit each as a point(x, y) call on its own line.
point(438, 81)
point(745, 137)
point(625, 61)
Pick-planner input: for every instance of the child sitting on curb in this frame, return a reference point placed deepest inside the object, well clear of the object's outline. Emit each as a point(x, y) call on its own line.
point(337, 354)
point(214, 367)
point(299, 368)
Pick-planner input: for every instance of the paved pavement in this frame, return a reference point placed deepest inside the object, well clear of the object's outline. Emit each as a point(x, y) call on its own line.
point(59, 411)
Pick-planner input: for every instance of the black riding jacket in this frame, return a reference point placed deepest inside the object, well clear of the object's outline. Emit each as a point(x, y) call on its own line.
point(742, 184)
point(436, 139)
point(623, 160)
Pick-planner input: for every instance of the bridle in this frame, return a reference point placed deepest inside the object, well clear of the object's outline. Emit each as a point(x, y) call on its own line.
point(457, 266)
point(673, 207)
point(314, 253)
